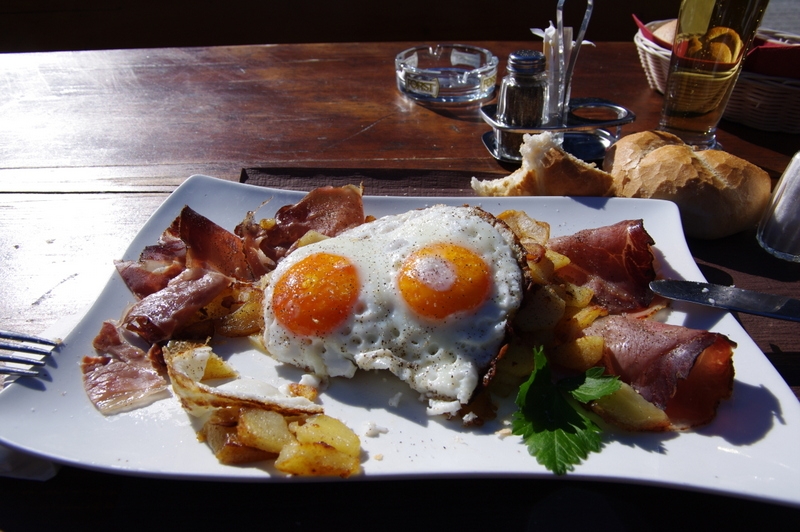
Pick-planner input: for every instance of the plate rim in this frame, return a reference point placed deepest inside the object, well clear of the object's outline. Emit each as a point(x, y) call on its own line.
point(190, 186)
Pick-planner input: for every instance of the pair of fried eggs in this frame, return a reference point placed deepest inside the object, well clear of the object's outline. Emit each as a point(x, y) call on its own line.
point(427, 295)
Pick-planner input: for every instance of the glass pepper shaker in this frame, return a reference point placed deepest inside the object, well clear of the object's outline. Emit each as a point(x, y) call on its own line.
point(521, 100)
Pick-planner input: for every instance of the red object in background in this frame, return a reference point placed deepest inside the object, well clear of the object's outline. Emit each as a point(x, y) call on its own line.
point(772, 58)
point(767, 57)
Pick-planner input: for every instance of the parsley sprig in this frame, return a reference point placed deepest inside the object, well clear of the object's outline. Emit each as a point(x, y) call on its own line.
point(556, 430)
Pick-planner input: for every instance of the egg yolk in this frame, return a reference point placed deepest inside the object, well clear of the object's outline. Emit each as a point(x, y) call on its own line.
point(441, 279)
point(316, 295)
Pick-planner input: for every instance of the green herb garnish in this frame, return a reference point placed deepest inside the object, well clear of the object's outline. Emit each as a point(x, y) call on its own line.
point(556, 430)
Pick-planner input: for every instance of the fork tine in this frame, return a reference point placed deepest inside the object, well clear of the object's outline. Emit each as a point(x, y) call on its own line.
point(19, 337)
point(21, 343)
point(6, 370)
point(22, 348)
point(21, 360)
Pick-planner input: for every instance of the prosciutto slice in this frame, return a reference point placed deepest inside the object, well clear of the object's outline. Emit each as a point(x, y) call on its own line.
point(159, 315)
point(191, 241)
point(157, 264)
point(614, 261)
point(121, 377)
point(685, 372)
point(326, 210)
point(212, 247)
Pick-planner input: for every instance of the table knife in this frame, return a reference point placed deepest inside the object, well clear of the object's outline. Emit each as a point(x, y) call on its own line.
point(729, 298)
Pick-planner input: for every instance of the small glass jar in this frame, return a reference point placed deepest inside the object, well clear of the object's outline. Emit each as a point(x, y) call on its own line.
point(521, 100)
point(779, 228)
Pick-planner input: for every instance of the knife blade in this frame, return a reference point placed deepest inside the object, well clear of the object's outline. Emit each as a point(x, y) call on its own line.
point(729, 298)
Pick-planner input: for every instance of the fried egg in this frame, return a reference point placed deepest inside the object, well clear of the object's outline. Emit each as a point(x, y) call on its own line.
point(426, 295)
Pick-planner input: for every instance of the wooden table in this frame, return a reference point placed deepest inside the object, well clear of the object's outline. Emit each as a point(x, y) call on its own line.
point(92, 142)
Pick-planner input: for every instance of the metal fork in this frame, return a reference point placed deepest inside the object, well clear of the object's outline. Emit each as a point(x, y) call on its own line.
point(23, 343)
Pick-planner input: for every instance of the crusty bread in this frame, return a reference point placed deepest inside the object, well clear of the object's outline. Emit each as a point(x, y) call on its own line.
point(547, 170)
point(718, 194)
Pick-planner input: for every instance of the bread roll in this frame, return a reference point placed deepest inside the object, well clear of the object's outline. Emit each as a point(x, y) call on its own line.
point(718, 194)
point(547, 170)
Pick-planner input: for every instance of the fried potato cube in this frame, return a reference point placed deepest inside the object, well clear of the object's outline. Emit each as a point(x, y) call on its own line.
point(263, 429)
point(245, 316)
point(216, 368)
point(513, 368)
point(527, 229)
point(327, 430)
point(310, 237)
point(630, 411)
point(518, 361)
point(220, 433)
point(541, 268)
point(543, 309)
point(576, 320)
point(316, 459)
point(221, 305)
point(579, 354)
point(577, 296)
point(586, 316)
point(558, 260)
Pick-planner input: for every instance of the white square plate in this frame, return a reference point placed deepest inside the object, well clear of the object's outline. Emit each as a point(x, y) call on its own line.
point(750, 450)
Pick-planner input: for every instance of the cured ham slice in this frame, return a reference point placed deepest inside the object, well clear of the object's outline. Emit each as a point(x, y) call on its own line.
point(252, 234)
point(121, 377)
point(157, 264)
point(326, 210)
point(158, 316)
point(211, 247)
point(614, 261)
point(685, 372)
point(191, 241)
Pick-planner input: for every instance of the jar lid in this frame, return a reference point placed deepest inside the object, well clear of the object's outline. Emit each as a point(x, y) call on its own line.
point(526, 62)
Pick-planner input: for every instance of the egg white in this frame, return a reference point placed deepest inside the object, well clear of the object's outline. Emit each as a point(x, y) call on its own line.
point(444, 359)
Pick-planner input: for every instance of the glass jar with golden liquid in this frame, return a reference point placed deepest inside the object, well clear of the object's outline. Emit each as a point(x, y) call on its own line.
point(711, 39)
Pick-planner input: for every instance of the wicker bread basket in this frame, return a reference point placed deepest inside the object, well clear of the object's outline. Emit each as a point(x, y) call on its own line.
point(762, 102)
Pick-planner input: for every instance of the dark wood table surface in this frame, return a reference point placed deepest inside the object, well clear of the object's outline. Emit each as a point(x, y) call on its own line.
point(92, 142)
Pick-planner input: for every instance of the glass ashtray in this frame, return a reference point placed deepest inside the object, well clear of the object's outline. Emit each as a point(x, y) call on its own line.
point(446, 74)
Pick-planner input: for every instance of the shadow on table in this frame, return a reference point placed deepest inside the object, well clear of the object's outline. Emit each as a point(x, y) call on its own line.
point(740, 252)
point(784, 144)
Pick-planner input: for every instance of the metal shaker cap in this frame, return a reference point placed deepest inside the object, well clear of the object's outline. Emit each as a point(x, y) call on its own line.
point(526, 62)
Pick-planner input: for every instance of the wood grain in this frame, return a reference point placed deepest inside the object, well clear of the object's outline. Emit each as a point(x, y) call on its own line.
point(91, 142)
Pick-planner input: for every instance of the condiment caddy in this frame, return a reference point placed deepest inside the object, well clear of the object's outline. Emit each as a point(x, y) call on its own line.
point(583, 137)
point(534, 97)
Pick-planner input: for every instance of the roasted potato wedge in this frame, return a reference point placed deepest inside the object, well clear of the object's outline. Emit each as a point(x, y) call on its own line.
point(246, 313)
point(543, 310)
point(316, 459)
point(263, 429)
point(629, 410)
point(216, 368)
point(579, 354)
point(221, 435)
point(327, 430)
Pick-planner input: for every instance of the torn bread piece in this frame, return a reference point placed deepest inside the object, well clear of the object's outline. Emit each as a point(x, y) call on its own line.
point(547, 170)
